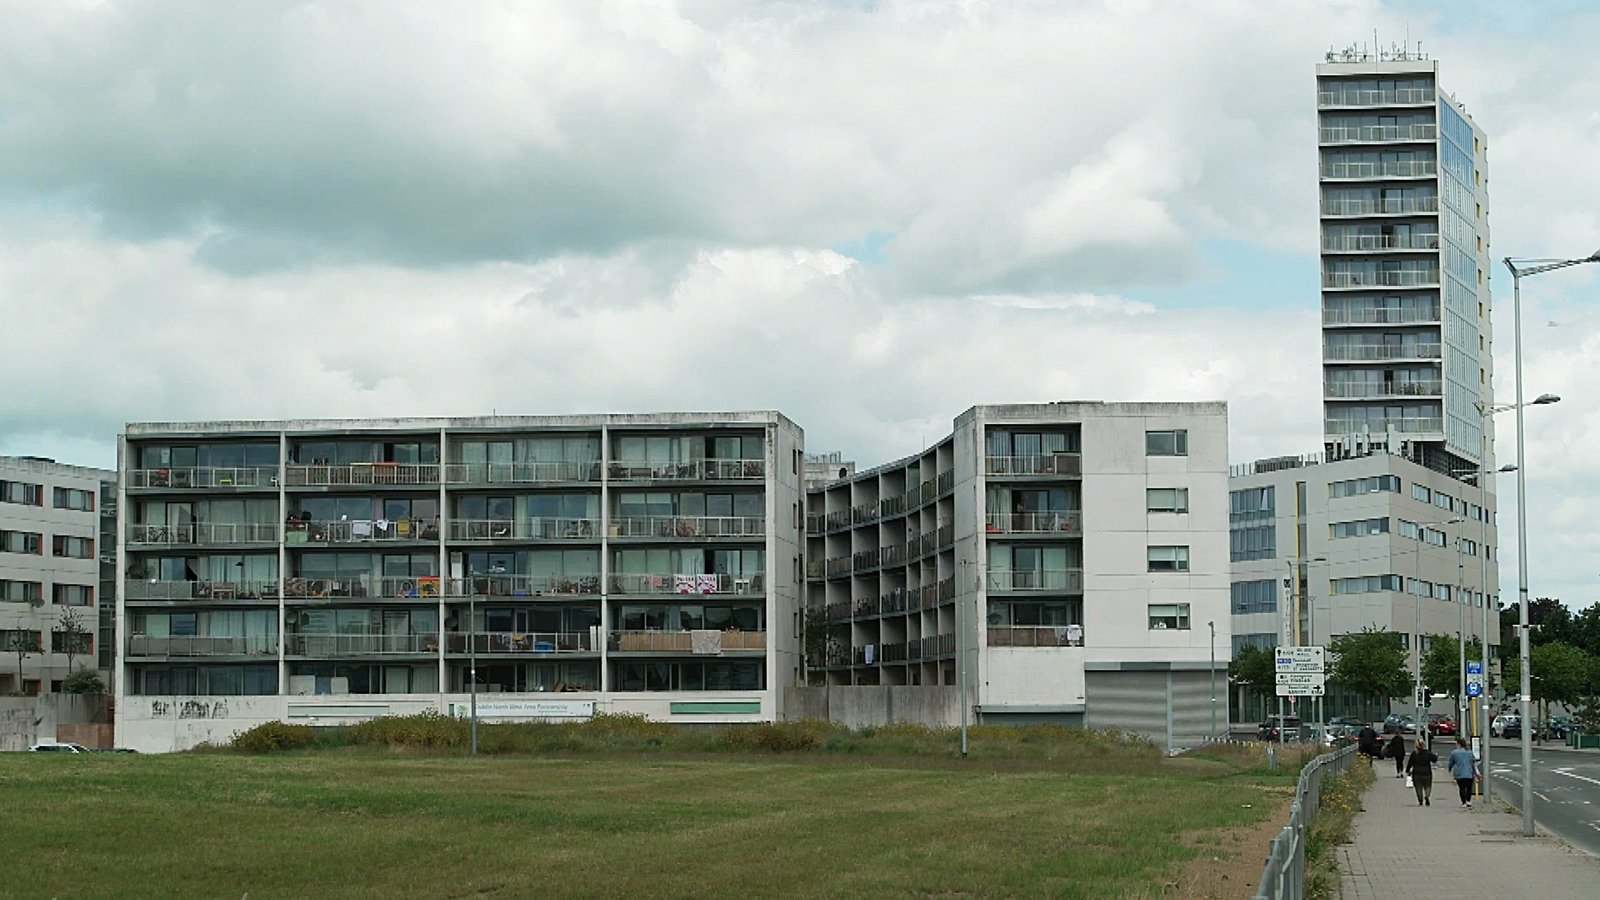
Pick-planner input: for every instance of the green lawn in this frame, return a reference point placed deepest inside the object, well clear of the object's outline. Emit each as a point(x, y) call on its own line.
point(379, 824)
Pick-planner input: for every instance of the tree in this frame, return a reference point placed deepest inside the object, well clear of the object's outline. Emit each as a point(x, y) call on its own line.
point(1441, 665)
point(1558, 672)
point(71, 626)
point(1370, 662)
point(816, 636)
point(1253, 667)
point(83, 681)
point(22, 643)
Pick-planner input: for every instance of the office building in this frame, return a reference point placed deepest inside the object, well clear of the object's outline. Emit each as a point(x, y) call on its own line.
point(1070, 557)
point(329, 571)
point(53, 536)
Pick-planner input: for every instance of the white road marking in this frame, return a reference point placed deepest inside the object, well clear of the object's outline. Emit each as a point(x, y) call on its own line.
point(1569, 774)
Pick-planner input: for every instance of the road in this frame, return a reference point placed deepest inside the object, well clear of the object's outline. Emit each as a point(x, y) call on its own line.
point(1566, 790)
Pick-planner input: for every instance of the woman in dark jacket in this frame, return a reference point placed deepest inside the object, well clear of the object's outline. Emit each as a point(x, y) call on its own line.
point(1420, 768)
point(1397, 750)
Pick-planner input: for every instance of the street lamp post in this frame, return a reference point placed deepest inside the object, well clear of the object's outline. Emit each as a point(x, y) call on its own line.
point(1213, 626)
point(1519, 268)
point(1481, 728)
point(1416, 632)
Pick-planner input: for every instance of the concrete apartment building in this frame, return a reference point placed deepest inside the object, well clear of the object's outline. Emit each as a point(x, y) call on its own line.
point(1363, 533)
point(1072, 554)
point(53, 536)
point(329, 571)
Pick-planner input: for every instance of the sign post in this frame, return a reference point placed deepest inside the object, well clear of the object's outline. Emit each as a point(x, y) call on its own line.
point(1299, 672)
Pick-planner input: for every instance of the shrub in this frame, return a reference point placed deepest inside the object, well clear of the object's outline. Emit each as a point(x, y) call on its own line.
point(83, 681)
point(270, 737)
point(424, 731)
point(777, 737)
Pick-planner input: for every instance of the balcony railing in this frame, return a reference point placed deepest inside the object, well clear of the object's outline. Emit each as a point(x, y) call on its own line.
point(1035, 464)
point(1379, 316)
point(1063, 522)
point(521, 473)
point(412, 587)
point(1375, 97)
point(1384, 389)
point(361, 531)
point(1396, 169)
point(524, 529)
point(1403, 424)
point(625, 583)
point(1370, 243)
point(1058, 580)
point(302, 475)
point(183, 478)
point(338, 645)
point(691, 470)
point(1376, 352)
point(1401, 278)
point(1381, 207)
point(1361, 134)
point(508, 642)
point(203, 645)
point(496, 585)
point(686, 526)
point(156, 589)
point(1036, 635)
point(709, 641)
point(204, 533)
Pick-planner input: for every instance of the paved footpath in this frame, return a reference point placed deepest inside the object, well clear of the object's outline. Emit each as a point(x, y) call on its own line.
point(1401, 849)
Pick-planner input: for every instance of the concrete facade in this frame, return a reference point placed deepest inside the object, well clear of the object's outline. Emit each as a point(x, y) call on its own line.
point(1063, 554)
point(51, 578)
point(329, 571)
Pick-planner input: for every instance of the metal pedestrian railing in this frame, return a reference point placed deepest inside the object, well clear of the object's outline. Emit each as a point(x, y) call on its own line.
point(1283, 877)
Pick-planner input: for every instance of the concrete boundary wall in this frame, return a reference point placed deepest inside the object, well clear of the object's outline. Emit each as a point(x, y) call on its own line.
point(857, 706)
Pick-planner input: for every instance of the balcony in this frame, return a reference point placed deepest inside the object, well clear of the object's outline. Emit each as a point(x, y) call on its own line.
point(1395, 278)
point(1377, 134)
point(1380, 316)
point(627, 583)
point(362, 531)
point(1377, 97)
point(335, 646)
point(206, 645)
point(202, 533)
point(686, 527)
point(522, 473)
point(1363, 390)
point(1376, 243)
point(1068, 581)
point(1379, 352)
point(157, 589)
point(1035, 636)
point(1421, 168)
point(524, 530)
point(1062, 522)
point(1381, 207)
point(1402, 424)
point(692, 642)
point(190, 478)
point(497, 643)
point(1047, 464)
point(387, 473)
point(497, 585)
point(413, 587)
point(692, 470)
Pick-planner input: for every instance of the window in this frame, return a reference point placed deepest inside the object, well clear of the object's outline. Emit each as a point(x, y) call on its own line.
point(1443, 500)
point(1167, 500)
point(1251, 532)
point(72, 595)
point(1357, 486)
point(1265, 640)
point(72, 547)
point(1256, 542)
point(21, 591)
point(1421, 492)
point(1166, 443)
point(71, 642)
point(1254, 597)
point(1364, 584)
point(22, 542)
point(21, 492)
point(12, 640)
point(1168, 559)
point(71, 498)
point(1358, 528)
point(1169, 615)
point(1467, 546)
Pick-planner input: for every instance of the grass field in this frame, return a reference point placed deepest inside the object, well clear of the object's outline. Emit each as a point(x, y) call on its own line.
point(366, 823)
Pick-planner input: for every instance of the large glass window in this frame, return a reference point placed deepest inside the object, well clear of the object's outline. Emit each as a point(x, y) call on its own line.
point(1260, 596)
point(1166, 443)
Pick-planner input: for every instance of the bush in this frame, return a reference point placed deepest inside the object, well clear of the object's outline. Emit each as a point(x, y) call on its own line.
point(83, 681)
point(270, 737)
point(424, 731)
point(777, 737)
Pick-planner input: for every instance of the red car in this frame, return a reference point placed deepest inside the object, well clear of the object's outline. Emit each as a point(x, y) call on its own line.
point(1439, 723)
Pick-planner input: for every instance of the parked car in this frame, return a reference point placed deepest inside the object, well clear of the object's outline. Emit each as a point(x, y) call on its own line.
point(1497, 726)
point(1348, 722)
point(1512, 726)
point(1339, 735)
point(1559, 727)
point(1399, 723)
point(58, 747)
point(1439, 723)
point(1268, 730)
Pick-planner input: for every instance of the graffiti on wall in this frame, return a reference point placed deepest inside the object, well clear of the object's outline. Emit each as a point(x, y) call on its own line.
point(189, 709)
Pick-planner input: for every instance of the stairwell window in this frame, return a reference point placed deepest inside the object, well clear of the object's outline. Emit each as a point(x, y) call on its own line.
point(1166, 443)
point(1168, 559)
point(1165, 616)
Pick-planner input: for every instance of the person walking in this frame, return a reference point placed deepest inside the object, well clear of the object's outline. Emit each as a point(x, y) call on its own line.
point(1420, 767)
point(1367, 743)
point(1397, 750)
point(1463, 766)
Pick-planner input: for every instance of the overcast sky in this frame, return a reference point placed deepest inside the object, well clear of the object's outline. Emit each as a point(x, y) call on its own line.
point(868, 215)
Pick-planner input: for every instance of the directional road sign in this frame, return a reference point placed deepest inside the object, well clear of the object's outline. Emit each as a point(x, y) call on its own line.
point(1299, 659)
point(1475, 667)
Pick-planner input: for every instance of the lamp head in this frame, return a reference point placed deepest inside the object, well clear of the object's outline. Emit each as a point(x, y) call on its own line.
point(1508, 467)
point(1545, 400)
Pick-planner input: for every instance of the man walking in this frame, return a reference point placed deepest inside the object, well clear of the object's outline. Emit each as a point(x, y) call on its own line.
point(1462, 768)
